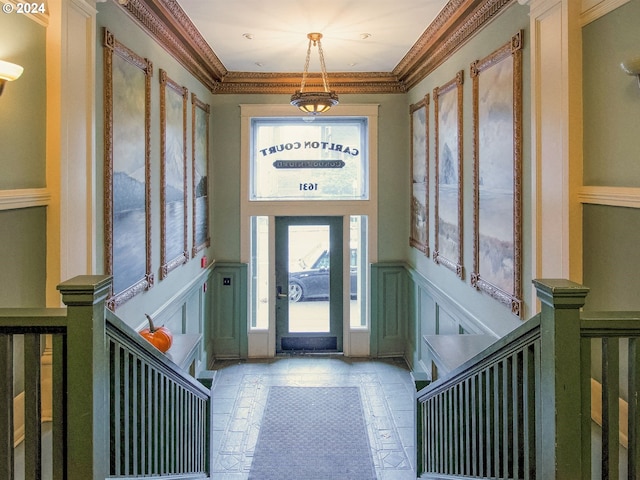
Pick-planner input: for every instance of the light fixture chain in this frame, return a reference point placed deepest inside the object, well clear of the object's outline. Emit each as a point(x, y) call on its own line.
point(306, 68)
point(316, 101)
point(323, 67)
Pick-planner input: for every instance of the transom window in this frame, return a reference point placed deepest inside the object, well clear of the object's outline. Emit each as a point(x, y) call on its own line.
point(309, 159)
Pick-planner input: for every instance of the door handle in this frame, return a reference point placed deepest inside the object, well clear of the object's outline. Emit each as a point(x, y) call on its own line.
point(279, 293)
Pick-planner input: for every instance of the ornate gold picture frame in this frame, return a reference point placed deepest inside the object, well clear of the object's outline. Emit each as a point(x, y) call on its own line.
point(497, 174)
point(173, 174)
point(447, 101)
point(419, 237)
point(200, 174)
point(127, 170)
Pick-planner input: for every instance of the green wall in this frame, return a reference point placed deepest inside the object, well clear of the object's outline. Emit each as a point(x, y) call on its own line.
point(22, 163)
point(22, 277)
point(611, 99)
point(611, 158)
point(612, 257)
point(157, 298)
point(393, 170)
point(22, 105)
point(494, 316)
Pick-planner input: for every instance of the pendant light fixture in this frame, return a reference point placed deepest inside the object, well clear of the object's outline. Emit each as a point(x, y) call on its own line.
point(319, 101)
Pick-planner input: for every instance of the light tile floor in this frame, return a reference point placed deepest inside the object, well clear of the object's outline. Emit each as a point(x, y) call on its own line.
point(240, 393)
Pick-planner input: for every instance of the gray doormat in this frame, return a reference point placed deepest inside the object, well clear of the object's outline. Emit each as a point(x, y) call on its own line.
point(314, 433)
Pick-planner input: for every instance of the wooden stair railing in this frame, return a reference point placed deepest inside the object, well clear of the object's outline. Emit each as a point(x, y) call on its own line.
point(521, 409)
point(120, 408)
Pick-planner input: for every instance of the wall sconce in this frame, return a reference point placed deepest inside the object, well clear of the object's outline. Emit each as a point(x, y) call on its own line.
point(8, 73)
point(632, 67)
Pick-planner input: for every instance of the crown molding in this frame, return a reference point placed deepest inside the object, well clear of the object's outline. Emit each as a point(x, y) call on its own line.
point(169, 25)
point(171, 31)
point(457, 23)
point(341, 83)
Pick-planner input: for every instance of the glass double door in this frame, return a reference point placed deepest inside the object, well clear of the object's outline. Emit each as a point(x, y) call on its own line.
point(309, 284)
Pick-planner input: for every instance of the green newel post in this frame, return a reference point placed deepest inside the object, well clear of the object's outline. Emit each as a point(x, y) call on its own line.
point(87, 376)
point(559, 420)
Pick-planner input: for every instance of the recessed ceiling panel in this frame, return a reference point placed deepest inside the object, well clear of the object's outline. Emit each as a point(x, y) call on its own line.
point(271, 35)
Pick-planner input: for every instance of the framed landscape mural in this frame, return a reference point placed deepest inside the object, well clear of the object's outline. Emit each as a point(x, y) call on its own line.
point(447, 101)
point(420, 175)
point(127, 218)
point(173, 173)
point(497, 127)
point(200, 173)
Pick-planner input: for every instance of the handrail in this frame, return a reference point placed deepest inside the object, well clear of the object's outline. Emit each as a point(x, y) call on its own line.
point(159, 415)
point(120, 331)
point(501, 348)
point(492, 432)
point(602, 324)
point(119, 408)
point(522, 407)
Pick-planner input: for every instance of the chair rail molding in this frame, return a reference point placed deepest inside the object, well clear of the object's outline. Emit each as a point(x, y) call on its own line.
point(610, 196)
point(24, 198)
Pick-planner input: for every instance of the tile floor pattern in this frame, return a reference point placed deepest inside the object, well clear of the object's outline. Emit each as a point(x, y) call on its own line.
point(240, 394)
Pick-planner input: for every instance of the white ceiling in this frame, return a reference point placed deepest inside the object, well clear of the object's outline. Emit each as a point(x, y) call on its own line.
point(279, 29)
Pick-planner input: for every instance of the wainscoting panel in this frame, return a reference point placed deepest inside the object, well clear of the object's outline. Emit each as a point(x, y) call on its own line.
point(188, 311)
point(229, 327)
point(389, 309)
point(434, 313)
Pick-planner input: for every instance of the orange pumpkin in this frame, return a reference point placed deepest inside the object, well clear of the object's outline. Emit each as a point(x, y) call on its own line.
point(159, 337)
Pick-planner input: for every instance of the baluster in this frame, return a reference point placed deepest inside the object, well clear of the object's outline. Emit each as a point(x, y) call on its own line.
point(634, 409)
point(461, 428)
point(154, 451)
point(434, 438)
point(454, 415)
point(450, 451)
point(145, 417)
point(32, 405)
point(610, 410)
point(516, 401)
point(58, 406)
point(192, 444)
point(164, 433)
point(585, 393)
point(533, 405)
point(475, 411)
point(507, 417)
point(126, 416)
point(181, 426)
point(482, 426)
point(116, 422)
point(135, 415)
point(441, 438)
point(6, 406)
point(467, 430)
point(174, 429)
point(488, 422)
point(497, 418)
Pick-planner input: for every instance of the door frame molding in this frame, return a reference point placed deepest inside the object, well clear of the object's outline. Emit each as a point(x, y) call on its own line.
point(356, 342)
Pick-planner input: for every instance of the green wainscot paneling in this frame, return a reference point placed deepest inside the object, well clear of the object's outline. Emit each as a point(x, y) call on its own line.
point(390, 309)
point(229, 315)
